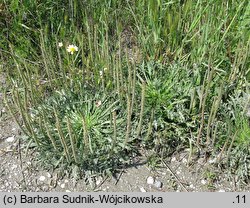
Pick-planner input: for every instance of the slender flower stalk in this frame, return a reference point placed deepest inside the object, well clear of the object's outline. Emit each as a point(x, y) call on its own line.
point(142, 108)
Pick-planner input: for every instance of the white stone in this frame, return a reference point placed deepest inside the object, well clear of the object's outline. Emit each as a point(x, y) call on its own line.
point(173, 159)
point(191, 186)
point(203, 182)
point(158, 184)
point(142, 189)
point(221, 190)
point(211, 161)
point(184, 160)
point(10, 139)
point(62, 185)
point(98, 181)
point(150, 180)
point(42, 178)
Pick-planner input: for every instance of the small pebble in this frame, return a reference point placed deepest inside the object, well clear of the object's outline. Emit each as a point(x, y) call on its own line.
point(158, 184)
point(98, 181)
point(9, 149)
point(221, 190)
point(42, 178)
point(192, 186)
point(150, 180)
point(173, 159)
point(184, 160)
point(142, 189)
point(203, 182)
point(62, 185)
point(10, 139)
point(211, 161)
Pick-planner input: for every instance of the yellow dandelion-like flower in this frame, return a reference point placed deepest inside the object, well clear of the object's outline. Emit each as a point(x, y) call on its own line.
point(72, 49)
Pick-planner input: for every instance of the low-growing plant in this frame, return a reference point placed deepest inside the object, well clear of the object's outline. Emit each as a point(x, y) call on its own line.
point(86, 129)
point(167, 100)
point(238, 151)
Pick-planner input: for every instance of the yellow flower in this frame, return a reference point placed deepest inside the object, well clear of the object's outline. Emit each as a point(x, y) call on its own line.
point(72, 49)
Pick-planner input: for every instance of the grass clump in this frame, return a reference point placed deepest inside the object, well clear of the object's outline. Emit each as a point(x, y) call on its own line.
point(85, 129)
point(167, 102)
point(238, 143)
